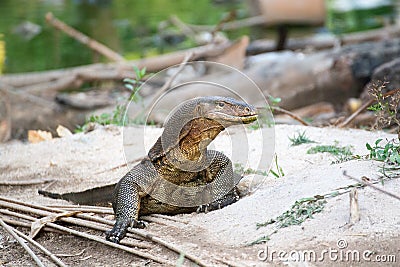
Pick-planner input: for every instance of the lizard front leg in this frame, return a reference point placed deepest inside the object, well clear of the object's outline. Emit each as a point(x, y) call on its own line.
point(220, 172)
point(126, 206)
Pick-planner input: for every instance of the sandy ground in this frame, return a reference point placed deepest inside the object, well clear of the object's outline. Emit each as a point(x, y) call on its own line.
point(73, 161)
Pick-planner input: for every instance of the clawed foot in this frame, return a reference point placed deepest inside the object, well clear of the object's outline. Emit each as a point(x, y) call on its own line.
point(218, 204)
point(120, 228)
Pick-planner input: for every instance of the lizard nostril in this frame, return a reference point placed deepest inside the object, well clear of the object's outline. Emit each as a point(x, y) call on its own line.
point(247, 110)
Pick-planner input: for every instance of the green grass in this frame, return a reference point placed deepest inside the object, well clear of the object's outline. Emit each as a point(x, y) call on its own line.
point(117, 117)
point(299, 139)
point(240, 169)
point(331, 149)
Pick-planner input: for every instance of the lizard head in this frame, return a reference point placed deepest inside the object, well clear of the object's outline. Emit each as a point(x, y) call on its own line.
point(227, 111)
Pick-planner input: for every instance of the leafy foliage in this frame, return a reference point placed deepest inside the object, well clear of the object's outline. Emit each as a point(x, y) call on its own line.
point(388, 153)
point(300, 211)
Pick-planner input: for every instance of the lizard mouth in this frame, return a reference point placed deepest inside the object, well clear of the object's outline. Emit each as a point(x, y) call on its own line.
point(231, 118)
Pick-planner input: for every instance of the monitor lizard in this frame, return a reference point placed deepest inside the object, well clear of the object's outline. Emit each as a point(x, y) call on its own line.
point(179, 174)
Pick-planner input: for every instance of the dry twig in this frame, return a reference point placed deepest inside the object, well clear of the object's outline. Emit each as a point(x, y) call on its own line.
point(89, 42)
point(26, 182)
point(372, 186)
point(82, 220)
point(166, 86)
point(12, 232)
point(363, 107)
point(41, 248)
point(292, 115)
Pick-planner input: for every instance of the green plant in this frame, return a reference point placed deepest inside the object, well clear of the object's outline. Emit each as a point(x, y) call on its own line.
point(388, 153)
point(332, 149)
point(240, 169)
point(386, 105)
point(134, 85)
point(299, 139)
point(300, 211)
point(117, 117)
point(279, 171)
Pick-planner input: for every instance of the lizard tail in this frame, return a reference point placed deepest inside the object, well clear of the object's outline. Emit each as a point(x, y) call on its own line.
point(93, 196)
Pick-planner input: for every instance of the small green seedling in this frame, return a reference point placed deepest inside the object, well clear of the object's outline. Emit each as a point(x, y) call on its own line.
point(117, 117)
point(299, 139)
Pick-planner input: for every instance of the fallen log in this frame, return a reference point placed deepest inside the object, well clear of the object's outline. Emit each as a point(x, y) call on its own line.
point(325, 42)
point(298, 79)
point(75, 76)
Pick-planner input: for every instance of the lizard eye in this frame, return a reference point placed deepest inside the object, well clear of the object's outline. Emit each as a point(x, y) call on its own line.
point(221, 104)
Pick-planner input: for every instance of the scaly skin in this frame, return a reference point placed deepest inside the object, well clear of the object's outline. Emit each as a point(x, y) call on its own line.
point(179, 166)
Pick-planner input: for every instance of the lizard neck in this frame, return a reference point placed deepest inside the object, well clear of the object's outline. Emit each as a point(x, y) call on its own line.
point(196, 136)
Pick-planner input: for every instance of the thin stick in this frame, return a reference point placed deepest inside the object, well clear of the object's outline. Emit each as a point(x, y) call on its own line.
point(247, 22)
point(171, 246)
point(171, 218)
point(111, 244)
point(45, 211)
point(371, 185)
point(12, 232)
point(354, 207)
point(356, 113)
point(364, 106)
point(43, 249)
point(29, 218)
point(26, 182)
point(25, 224)
point(84, 39)
point(294, 116)
point(167, 85)
point(88, 210)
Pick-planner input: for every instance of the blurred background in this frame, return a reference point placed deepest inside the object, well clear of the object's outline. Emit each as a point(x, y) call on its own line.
point(138, 29)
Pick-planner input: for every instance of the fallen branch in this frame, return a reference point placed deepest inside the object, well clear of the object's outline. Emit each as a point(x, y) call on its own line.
point(43, 81)
point(26, 182)
point(227, 26)
point(41, 248)
point(318, 43)
point(29, 97)
point(89, 42)
point(166, 86)
point(363, 182)
point(363, 107)
point(12, 232)
point(82, 221)
point(77, 233)
point(292, 115)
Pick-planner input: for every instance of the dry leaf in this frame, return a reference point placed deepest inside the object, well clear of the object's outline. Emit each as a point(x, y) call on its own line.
point(38, 136)
point(37, 225)
point(63, 131)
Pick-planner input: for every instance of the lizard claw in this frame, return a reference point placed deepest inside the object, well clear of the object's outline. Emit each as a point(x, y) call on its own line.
point(120, 228)
point(218, 204)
